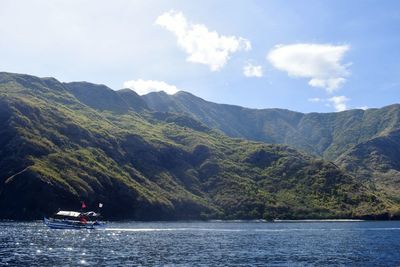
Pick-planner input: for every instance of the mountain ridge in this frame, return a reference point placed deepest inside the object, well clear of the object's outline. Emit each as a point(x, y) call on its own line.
point(58, 149)
point(326, 135)
point(296, 121)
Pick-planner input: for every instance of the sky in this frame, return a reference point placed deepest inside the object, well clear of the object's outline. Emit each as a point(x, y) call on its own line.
point(307, 56)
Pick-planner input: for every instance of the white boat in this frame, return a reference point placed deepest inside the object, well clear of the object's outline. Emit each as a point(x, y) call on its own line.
point(74, 220)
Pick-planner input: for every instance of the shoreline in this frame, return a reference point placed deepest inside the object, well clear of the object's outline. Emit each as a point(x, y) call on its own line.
point(226, 221)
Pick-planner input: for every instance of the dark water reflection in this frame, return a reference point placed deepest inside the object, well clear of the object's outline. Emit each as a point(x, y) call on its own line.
point(203, 243)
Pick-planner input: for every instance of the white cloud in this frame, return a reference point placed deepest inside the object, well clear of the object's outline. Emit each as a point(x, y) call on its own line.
point(339, 102)
point(201, 45)
point(319, 62)
point(251, 70)
point(143, 87)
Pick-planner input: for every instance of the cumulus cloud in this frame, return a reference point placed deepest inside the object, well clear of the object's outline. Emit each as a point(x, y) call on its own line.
point(322, 63)
point(202, 45)
point(143, 87)
point(251, 70)
point(339, 102)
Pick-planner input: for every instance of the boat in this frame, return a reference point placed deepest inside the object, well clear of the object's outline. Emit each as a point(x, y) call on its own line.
point(74, 220)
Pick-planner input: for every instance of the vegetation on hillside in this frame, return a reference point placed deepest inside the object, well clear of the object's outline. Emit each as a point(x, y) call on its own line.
point(363, 142)
point(323, 134)
point(64, 143)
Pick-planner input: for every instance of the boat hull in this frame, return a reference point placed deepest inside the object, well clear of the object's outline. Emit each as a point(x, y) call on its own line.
point(69, 224)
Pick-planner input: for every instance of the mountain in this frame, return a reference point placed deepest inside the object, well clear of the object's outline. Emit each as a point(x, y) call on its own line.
point(363, 142)
point(133, 100)
point(376, 160)
point(61, 143)
point(323, 134)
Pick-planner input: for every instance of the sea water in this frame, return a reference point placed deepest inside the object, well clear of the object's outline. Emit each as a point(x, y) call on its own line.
point(217, 243)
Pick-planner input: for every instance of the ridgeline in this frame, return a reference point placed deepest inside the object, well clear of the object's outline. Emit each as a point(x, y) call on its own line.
point(161, 157)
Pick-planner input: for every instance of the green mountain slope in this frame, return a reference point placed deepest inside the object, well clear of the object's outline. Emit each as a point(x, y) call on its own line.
point(376, 160)
point(63, 143)
point(360, 141)
point(324, 134)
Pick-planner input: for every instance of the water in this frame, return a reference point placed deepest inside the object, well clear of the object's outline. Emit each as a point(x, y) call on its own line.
point(203, 243)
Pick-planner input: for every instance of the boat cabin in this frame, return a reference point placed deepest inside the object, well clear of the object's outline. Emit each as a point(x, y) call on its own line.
point(76, 216)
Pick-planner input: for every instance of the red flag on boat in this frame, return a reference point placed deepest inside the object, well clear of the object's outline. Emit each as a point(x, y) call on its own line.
point(83, 205)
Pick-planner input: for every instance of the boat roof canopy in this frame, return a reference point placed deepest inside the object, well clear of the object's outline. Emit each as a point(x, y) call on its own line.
point(68, 213)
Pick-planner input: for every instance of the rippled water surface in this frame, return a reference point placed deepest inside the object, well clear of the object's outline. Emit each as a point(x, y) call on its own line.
point(203, 243)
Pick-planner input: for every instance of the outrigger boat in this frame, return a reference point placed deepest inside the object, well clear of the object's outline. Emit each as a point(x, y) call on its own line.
point(74, 220)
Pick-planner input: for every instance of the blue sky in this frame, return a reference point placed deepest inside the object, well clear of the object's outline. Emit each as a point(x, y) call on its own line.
point(308, 56)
